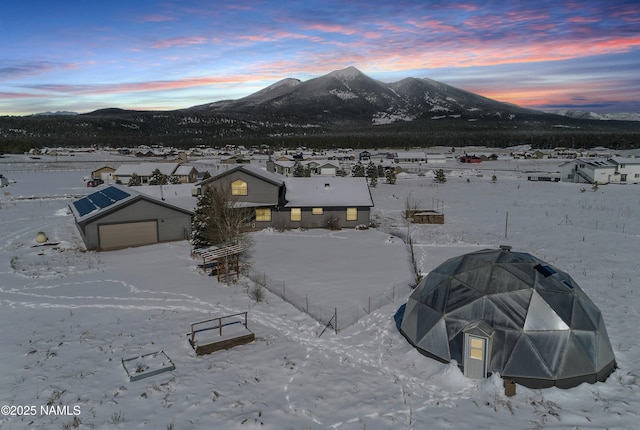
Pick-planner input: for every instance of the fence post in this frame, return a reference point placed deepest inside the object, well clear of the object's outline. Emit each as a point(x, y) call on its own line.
point(306, 296)
point(284, 295)
point(335, 318)
point(369, 305)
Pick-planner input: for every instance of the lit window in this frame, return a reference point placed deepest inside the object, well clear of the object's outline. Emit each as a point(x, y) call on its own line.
point(476, 349)
point(263, 214)
point(296, 214)
point(239, 188)
point(317, 211)
point(352, 214)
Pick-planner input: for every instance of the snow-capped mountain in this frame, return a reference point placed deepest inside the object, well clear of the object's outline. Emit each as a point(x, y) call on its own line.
point(350, 95)
point(578, 114)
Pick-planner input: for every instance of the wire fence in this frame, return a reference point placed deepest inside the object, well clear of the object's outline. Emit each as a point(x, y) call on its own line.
point(337, 317)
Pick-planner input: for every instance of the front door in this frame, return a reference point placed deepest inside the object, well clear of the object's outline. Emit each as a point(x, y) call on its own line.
point(475, 365)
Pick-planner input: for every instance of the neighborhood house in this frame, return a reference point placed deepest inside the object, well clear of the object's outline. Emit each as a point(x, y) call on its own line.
point(292, 202)
point(615, 170)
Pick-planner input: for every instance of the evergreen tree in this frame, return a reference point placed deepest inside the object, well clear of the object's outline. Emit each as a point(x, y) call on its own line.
point(372, 170)
point(373, 182)
point(298, 170)
point(135, 181)
point(158, 178)
point(391, 176)
point(381, 173)
point(174, 180)
point(206, 175)
point(440, 177)
point(199, 224)
point(358, 170)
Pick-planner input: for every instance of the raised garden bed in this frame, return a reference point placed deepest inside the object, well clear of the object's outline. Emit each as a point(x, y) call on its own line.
point(220, 333)
point(146, 365)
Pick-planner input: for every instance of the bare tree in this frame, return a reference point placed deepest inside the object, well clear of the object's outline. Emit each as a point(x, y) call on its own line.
point(226, 221)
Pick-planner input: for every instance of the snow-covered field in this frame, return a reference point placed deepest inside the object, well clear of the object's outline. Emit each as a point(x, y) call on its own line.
point(68, 316)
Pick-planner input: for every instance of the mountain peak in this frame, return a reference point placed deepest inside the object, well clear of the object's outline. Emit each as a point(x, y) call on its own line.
point(349, 73)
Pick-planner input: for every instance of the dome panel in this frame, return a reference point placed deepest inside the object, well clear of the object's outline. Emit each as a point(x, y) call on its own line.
point(605, 355)
point(551, 346)
point(576, 361)
point(460, 295)
point(503, 280)
point(522, 271)
point(436, 342)
point(431, 282)
point(561, 303)
point(437, 298)
point(525, 362)
point(515, 305)
point(503, 343)
point(540, 316)
point(581, 318)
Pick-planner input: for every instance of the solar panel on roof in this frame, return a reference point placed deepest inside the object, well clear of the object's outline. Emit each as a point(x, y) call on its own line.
point(99, 200)
point(84, 206)
point(115, 194)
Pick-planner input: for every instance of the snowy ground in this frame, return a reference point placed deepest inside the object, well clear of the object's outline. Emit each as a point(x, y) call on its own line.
point(68, 316)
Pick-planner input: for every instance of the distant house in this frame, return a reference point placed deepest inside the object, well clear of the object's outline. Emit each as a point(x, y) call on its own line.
point(364, 156)
point(119, 217)
point(470, 159)
point(105, 173)
point(436, 159)
point(410, 157)
point(290, 202)
point(615, 170)
point(186, 174)
point(235, 159)
point(284, 168)
point(327, 168)
point(144, 171)
point(4, 182)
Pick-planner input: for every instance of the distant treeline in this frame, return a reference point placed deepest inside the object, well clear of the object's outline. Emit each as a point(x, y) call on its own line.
point(20, 134)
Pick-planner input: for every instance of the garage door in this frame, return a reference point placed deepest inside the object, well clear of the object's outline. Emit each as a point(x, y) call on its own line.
point(113, 236)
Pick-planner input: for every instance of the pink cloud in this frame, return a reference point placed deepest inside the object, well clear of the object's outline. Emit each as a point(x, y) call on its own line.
point(434, 25)
point(180, 41)
point(155, 18)
point(332, 28)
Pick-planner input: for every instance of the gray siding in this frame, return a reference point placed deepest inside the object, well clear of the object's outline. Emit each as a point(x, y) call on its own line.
point(258, 190)
point(172, 224)
point(282, 218)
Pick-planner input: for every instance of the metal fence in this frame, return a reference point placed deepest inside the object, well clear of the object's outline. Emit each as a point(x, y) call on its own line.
point(337, 318)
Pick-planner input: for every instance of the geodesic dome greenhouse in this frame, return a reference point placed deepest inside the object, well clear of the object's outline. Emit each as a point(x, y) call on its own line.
point(513, 314)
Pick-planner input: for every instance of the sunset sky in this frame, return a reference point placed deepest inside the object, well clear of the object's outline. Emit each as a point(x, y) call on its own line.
point(85, 55)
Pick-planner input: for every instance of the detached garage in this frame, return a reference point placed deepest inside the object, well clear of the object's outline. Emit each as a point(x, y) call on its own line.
point(118, 217)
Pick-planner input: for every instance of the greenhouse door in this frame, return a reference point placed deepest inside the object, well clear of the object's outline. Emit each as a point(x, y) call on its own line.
point(475, 356)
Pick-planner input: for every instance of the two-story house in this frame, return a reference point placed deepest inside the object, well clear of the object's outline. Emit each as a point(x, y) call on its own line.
point(290, 202)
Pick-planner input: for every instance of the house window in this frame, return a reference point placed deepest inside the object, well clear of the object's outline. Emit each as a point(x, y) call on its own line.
point(263, 214)
point(296, 214)
point(352, 214)
point(239, 188)
point(317, 211)
point(637, 175)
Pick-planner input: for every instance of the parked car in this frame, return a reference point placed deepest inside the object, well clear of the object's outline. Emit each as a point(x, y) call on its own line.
point(94, 182)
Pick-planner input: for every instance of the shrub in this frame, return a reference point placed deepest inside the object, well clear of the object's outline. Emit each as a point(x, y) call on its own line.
point(333, 223)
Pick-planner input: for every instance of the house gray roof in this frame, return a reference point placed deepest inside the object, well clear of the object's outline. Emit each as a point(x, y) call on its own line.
point(252, 170)
point(145, 169)
point(327, 192)
point(106, 200)
point(183, 169)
